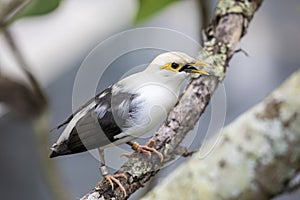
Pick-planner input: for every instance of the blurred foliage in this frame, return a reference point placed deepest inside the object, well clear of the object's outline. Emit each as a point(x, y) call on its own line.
point(147, 8)
point(37, 7)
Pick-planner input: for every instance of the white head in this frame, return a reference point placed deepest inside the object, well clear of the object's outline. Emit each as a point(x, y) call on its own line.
point(174, 67)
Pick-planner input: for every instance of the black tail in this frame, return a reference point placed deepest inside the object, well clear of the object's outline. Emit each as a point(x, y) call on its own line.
point(63, 149)
point(54, 154)
point(59, 150)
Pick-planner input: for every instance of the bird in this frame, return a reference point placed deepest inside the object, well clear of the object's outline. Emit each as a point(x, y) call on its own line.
point(127, 109)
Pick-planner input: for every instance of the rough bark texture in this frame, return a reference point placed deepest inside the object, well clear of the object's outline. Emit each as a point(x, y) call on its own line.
point(229, 24)
point(257, 157)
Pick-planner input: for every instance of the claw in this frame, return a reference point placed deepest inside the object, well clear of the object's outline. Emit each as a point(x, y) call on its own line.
point(113, 179)
point(146, 149)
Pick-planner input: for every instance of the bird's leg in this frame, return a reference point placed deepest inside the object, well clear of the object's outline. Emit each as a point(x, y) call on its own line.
point(147, 149)
point(111, 178)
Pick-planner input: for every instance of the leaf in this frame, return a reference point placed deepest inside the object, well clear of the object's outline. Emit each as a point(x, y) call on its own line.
point(150, 7)
point(37, 7)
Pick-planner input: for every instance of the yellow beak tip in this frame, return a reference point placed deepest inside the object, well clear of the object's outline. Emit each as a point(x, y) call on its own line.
point(200, 63)
point(203, 72)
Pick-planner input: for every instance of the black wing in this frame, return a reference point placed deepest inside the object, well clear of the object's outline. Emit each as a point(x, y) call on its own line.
point(78, 110)
point(98, 126)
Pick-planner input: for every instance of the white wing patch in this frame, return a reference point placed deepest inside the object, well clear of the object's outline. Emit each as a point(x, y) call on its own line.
point(123, 134)
point(102, 109)
point(66, 133)
point(102, 95)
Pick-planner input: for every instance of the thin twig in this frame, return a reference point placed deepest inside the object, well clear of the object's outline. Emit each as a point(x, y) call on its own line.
point(9, 11)
point(204, 12)
point(24, 66)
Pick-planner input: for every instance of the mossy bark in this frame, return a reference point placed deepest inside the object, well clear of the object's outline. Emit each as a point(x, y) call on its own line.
point(258, 155)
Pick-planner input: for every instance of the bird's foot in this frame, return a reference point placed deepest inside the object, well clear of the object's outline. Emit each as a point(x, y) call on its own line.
point(114, 179)
point(146, 149)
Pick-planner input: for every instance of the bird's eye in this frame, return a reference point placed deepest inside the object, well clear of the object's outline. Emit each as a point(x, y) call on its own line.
point(174, 65)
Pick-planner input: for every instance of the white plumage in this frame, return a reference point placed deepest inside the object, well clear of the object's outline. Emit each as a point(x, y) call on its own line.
point(136, 104)
point(129, 108)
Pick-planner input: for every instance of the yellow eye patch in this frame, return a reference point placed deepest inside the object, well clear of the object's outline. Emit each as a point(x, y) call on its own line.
point(191, 68)
point(174, 67)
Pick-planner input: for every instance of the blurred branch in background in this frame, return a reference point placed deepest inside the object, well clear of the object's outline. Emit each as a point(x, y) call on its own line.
point(18, 97)
point(51, 173)
point(294, 183)
point(31, 101)
point(256, 159)
point(230, 22)
point(204, 12)
point(8, 9)
point(12, 10)
point(37, 91)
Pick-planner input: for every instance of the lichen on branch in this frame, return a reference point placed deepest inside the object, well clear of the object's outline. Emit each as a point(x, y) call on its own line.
point(258, 155)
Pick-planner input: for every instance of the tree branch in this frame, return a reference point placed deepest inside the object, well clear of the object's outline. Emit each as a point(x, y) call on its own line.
point(37, 91)
point(18, 97)
point(204, 12)
point(8, 9)
point(229, 24)
point(258, 155)
point(31, 102)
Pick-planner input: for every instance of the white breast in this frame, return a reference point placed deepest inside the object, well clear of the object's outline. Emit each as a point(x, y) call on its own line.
point(157, 100)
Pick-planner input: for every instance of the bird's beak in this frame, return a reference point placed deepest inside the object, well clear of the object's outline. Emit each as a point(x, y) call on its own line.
point(193, 68)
